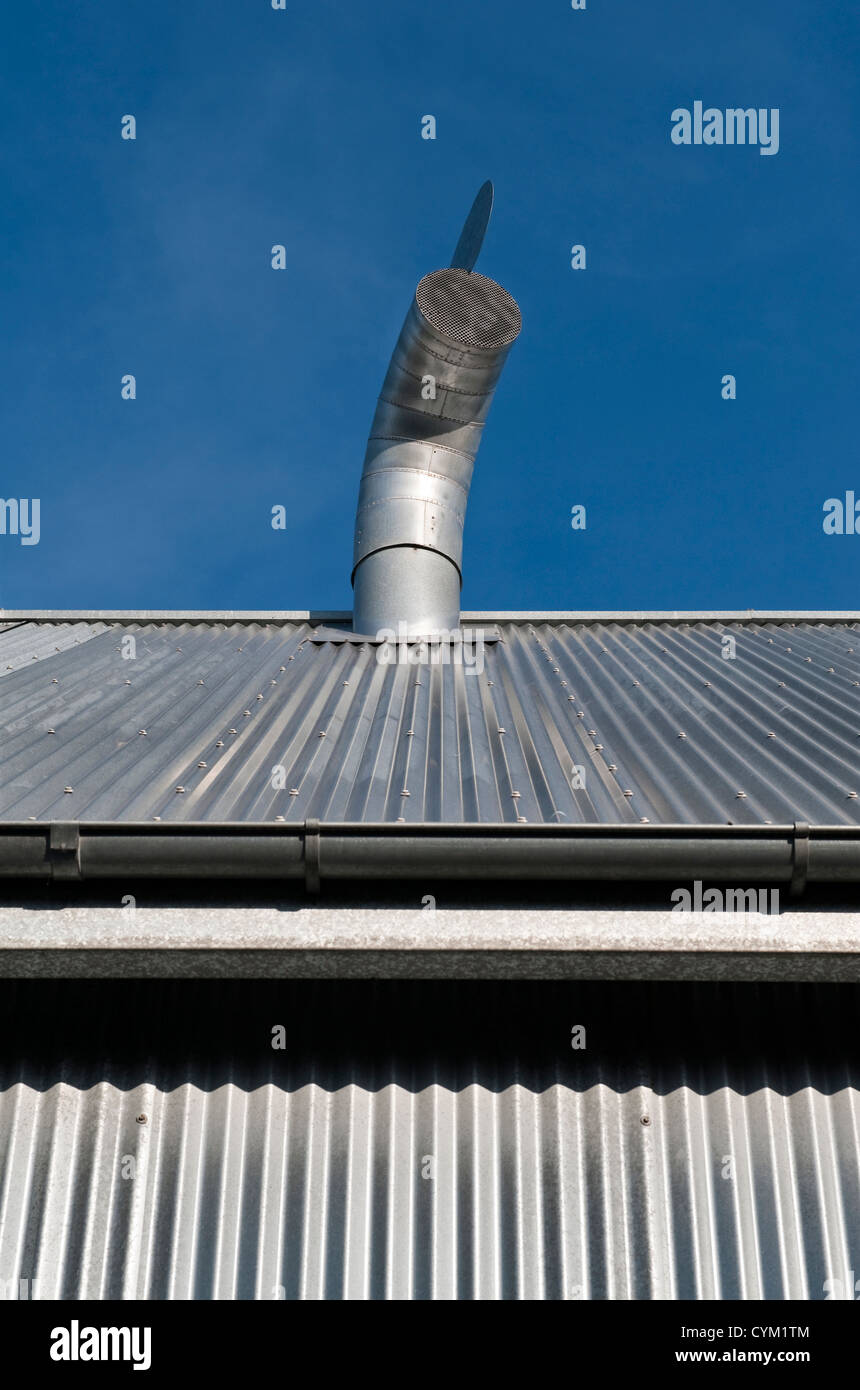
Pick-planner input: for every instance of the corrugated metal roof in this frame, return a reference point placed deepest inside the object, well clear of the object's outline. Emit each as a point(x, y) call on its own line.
point(429, 1142)
point(24, 643)
point(666, 729)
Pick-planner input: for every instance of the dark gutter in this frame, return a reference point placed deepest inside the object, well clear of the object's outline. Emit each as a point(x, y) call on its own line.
point(788, 855)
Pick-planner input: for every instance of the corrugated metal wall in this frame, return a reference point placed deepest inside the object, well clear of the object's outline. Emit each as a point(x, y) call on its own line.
point(428, 1141)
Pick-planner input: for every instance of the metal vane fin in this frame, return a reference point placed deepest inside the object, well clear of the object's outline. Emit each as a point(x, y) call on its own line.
point(474, 229)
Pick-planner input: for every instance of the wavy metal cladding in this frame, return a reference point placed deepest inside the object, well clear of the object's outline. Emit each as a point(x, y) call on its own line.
point(664, 727)
point(421, 451)
point(429, 1141)
point(26, 642)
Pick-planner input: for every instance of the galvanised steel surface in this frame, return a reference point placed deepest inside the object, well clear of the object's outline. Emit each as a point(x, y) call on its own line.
point(429, 1141)
point(662, 727)
point(24, 643)
point(421, 451)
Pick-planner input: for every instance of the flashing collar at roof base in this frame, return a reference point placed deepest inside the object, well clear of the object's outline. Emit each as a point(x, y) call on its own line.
point(317, 852)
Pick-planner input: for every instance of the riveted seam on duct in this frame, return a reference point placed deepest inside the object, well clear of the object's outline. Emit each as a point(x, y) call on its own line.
point(422, 439)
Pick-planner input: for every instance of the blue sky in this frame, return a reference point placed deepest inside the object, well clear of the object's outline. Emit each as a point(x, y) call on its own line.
point(257, 387)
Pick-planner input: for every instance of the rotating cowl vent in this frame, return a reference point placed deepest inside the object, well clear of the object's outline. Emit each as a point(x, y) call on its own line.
point(423, 442)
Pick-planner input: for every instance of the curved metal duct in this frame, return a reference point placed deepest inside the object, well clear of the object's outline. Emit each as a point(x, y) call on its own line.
point(422, 446)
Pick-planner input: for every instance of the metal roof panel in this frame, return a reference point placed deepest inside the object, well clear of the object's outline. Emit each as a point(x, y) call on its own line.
point(216, 721)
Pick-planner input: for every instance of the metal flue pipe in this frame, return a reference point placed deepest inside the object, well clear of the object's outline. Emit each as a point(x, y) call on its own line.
point(422, 446)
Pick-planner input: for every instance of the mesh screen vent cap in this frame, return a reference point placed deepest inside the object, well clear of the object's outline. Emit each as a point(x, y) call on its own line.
point(469, 309)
